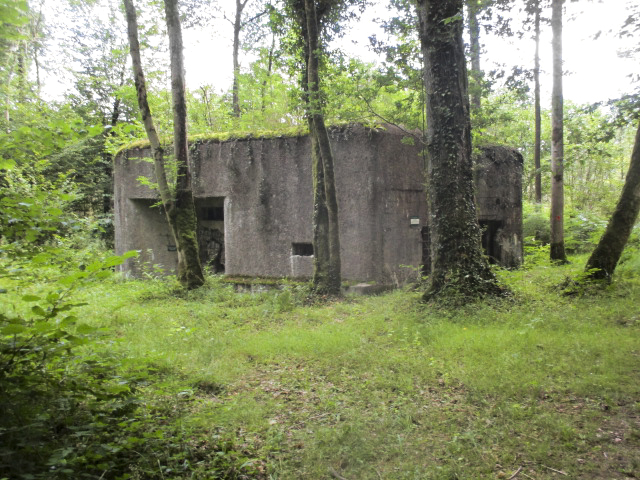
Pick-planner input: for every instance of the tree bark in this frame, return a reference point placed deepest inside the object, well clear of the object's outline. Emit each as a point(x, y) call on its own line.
point(538, 120)
point(327, 269)
point(604, 258)
point(180, 211)
point(237, 26)
point(474, 47)
point(190, 271)
point(459, 268)
point(263, 91)
point(557, 140)
point(321, 251)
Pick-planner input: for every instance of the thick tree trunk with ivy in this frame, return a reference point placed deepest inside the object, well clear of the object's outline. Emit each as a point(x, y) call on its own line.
point(327, 269)
point(557, 140)
point(179, 210)
point(604, 258)
point(538, 116)
point(459, 268)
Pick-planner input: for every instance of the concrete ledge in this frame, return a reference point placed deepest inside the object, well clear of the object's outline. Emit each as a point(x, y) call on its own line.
point(368, 289)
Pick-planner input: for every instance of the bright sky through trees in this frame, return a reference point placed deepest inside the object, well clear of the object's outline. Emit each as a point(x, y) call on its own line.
point(594, 70)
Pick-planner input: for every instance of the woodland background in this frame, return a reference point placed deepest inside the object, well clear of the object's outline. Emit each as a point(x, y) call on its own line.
point(104, 377)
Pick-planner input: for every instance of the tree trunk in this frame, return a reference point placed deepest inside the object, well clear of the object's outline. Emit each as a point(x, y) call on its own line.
point(190, 271)
point(8, 92)
point(557, 141)
point(459, 268)
point(237, 26)
point(263, 91)
point(538, 120)
point(604, 258)
point(21, 71)
point(180, 210)
point(35, 38)
point(327, 272)
point(207, 103)
point(474, 47)
point(321, 251)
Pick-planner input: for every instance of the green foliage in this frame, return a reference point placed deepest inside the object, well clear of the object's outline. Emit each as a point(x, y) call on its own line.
point(596, 152)
point(582, 230)
point(468, 388)
point(370, 96)
point(71, 406)
point(45, 386)
point(597, 147)
point(14, 15)
point(71, 409)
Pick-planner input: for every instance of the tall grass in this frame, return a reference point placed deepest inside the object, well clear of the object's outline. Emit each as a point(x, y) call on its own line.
point(387, 387)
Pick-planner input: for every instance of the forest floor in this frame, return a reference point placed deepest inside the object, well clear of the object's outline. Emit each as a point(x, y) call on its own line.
point(538, 386)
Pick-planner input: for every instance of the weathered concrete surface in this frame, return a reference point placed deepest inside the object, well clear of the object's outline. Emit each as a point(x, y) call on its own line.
point(264, 189)
point(498, 184)
point(367, 289)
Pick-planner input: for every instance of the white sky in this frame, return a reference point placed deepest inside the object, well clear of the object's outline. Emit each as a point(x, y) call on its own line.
point(594, 70)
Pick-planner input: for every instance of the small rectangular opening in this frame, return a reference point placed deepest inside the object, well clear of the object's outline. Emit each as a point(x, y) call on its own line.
point(214, 214)
point(302, 249)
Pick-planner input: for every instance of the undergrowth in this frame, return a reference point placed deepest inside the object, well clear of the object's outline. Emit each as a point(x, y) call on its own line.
point(387, 387)
point(214, 383)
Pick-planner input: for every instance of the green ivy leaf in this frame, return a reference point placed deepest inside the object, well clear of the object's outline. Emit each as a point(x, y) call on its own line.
point(30, 298)
point(84, 329)
point(38, 310)
point(7, 164)
point(12, 329)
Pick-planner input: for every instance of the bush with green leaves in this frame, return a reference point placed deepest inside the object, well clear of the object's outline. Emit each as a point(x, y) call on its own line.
point(70, 407)
point(582, 229)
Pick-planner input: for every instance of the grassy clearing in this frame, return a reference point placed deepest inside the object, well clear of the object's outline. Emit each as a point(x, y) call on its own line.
point(385, 387)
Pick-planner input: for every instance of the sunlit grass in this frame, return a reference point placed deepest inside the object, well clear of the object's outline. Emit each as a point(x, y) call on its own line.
point(387, 387)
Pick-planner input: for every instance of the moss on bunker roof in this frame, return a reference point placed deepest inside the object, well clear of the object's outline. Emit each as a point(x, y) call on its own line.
point(219, 137)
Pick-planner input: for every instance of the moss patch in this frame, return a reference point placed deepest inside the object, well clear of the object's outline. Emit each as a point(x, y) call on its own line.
point(219, 137)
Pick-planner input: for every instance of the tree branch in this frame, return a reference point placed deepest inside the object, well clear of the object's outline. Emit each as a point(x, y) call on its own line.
point(373, 112)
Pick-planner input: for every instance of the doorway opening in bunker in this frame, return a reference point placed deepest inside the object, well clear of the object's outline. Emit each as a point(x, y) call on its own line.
point(210, 212)
point(490, 242)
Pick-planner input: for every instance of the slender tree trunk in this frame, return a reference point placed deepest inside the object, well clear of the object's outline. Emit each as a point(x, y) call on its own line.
point(320, 213)
point(190, 271)
point(36, 62)
point(35, 34)
point(604, 258)
point(474, 43)
point(180, 211)
point(557, 140)
point(107, 193)
point(459, 267)
point(207, 102)
point(263, 91)
point(115, 111)
point(7, 93)
point(321, 251)
point(330, 282)
point(538, 120)
point(237, 26)
point(21, 71)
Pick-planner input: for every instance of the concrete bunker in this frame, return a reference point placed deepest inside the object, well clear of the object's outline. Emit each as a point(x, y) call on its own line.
point(254, 205)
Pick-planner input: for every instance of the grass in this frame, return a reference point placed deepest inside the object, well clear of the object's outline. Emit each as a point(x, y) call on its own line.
point(387, 387)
